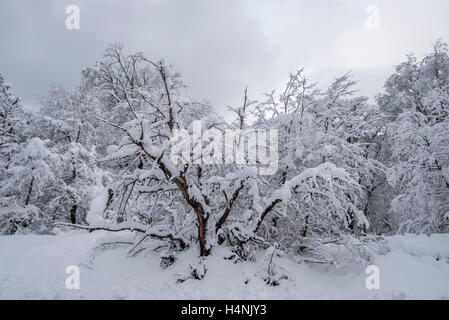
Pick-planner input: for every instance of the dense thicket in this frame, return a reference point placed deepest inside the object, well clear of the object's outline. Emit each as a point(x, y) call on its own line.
point(347, 169)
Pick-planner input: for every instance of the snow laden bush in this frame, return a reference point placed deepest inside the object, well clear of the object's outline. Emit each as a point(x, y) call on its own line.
point(274, 274)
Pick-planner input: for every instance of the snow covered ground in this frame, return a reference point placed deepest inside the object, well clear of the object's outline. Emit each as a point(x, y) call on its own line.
point(33, 267)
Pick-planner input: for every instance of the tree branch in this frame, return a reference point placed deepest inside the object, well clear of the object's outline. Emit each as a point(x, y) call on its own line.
point(182, 244)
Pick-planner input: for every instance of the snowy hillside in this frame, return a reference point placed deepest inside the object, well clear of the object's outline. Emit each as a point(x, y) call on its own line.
point(33, 267)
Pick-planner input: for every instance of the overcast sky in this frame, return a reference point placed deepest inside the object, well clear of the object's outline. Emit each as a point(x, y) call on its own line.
point(219, 46)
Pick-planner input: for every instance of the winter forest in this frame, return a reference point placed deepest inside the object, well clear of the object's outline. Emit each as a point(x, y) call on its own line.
point(90, 177)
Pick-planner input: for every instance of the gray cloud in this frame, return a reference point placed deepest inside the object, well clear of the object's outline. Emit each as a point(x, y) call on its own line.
point(219, 46)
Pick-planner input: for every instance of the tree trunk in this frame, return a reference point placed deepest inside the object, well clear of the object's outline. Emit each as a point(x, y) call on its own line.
point(198, 208)
point(304, 232)
point(202, 229)
point(110, 198)
point(73, 213)
point(30, 189)
point(182, 184)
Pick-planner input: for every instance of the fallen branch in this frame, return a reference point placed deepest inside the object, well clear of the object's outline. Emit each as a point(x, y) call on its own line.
point(181, 243)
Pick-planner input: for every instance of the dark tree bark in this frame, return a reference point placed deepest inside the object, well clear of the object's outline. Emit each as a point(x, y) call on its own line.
point(110, 198)
point(180, 242)
point(73, 213)
point(30, 190)
point(266, 211)
point(228, 209)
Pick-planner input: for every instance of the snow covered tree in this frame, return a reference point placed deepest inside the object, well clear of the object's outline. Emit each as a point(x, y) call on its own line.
point(149, 107)
point(12, 124)
point(30, 188)
point(320, 189)
point(68, 122)
point(13, 133)
point(417, 101)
